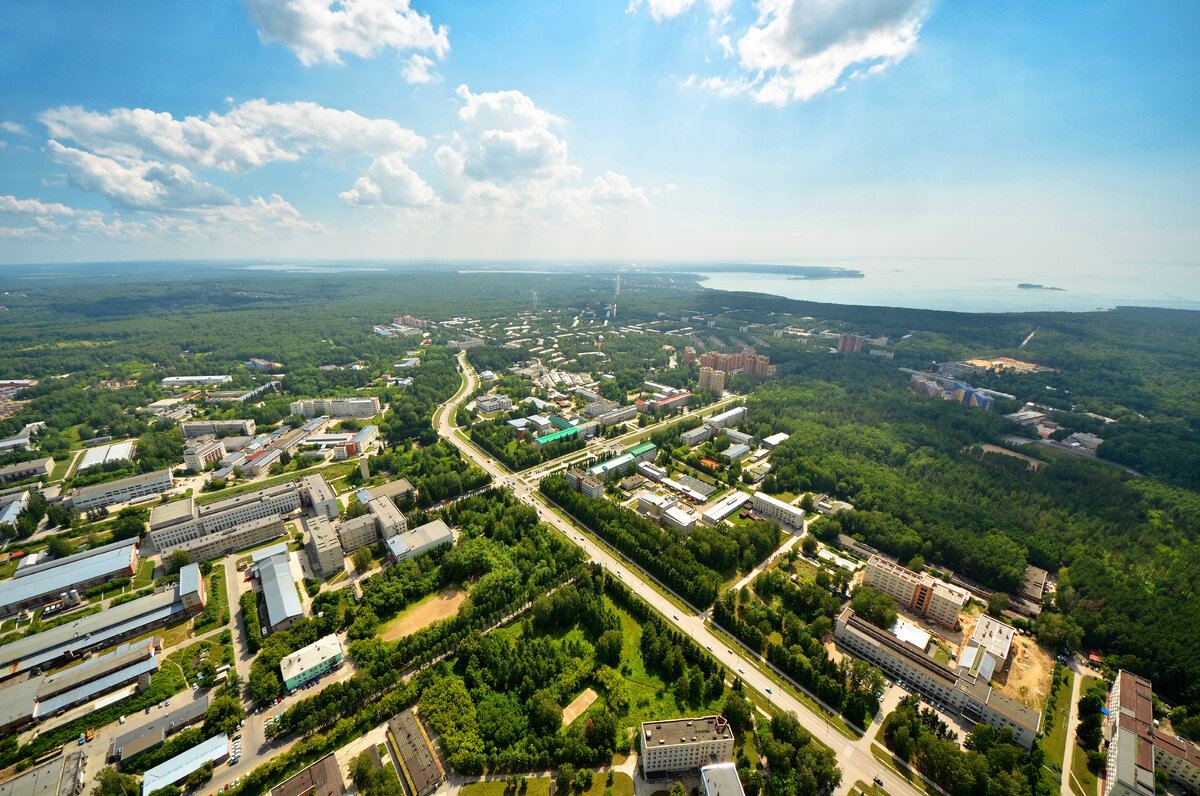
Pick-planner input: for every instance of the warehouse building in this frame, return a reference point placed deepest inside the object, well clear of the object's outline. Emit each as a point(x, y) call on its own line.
point(773, 508)
point(322, 778)
point(323, 547)
point(46, 581)
point(922, 594)
point(101, 496)
point(684, 746)
point(63, 775)
point(421, 770)
point(724, 507)
point(419, 540)
point(38, 468)
point(312, 662)
point(152, 735)
point(215, 750)
point(284, 607)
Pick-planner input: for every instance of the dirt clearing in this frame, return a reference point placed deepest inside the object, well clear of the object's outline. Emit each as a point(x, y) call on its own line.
point(1029, 673)
point(429, 610)
point(578, 706)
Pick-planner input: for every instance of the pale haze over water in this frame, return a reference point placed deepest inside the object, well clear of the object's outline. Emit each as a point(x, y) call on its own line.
point(974, 286)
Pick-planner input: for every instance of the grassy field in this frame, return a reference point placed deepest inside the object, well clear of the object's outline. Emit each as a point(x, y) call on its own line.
point(621, 785)
point(1056, 740)
point(216, 594)
point(942, 654)
point(145, 575)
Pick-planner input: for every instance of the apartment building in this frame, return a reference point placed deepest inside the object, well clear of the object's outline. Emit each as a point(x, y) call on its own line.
point(712, 380)
point(493, 403)
point(202, 453)
point(745, 362)
point(1136, 747)
point(921, 594)
point(357, 532)
point(38, 468)
point(336, 407)
point(230, 540)
point(617, 416)
point(773, 508)
point(389, 520)
point(679, 746)
point(217, 428)
point(323, 547)
point(123, 490)
point(319, 496)
point(919, 672)
point(172, 524)
point(309, 663)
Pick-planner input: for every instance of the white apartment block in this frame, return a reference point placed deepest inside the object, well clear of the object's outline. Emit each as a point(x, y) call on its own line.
point(922, 594)
point(684, 745)
point(773, 508)
point(389, 520)
point(202, 428)
point(728, 418)
point(200, 454)
point(172, 524)
point(320, 496)
point(336, 407)
point(195, 381)
point(1136, 747)
point(323, 547)
point(121, 491)
point(493, 403)
point(358, 532)
point(231, 540)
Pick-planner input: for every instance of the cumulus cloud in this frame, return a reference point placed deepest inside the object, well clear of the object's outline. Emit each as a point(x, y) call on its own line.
point(11, 205)
point(320, 30)
point(138, 186)
point(669, 9)
point(14, 128)
point(389, 182)
point(416, 70)
point(249, 136)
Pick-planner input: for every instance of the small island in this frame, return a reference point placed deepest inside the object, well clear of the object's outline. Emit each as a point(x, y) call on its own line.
point(1032, 286)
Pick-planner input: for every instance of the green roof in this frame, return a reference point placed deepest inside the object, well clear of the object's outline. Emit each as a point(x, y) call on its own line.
point(557, 435)
point(645, 447)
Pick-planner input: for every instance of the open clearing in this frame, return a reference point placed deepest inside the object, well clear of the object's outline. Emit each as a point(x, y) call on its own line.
point(423, 613)
point(1029, 673)
point(578, 705)
point(1034, 464)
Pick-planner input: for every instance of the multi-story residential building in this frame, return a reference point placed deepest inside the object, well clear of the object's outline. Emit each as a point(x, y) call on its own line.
point(121, 491)
point(598, 408)
point(746, 362)
point(219, 428)
point(230, 540)
point(775, 509)
point(1136, 747)
point(689, 354)
point(201, 453)
point(849, 344)
point(38, 468)
point(680, 746)
point(911, 665)
point(195, 381)
point(711, 379)
point(493, 403)
point(389, 520)
point(323, 547)
point(308, 663)
point(319, 496)
point(922, 594)
point(357, 532)
point(336, 407)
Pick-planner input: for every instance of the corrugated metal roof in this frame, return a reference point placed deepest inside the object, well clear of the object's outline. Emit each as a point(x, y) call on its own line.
point(97, 687)
point(279, 590)
point(66, 574)
point(214, 749)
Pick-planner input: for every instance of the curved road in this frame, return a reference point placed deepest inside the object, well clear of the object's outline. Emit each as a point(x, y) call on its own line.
point(854, 757)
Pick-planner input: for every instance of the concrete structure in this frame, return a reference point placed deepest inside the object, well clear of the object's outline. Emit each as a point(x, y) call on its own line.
point(1136, 747)
point(922, 594)
point(721, 780)
point(389, 520)
point(230, 540)
point(724, 507)
point(38, 468)
point(155, 733)
point(770, 442)
point(696, 436)
point(214, 750)
point(64, 775)
point(121, 491)
point(336, 407)
point(309, 663)
point(419, 540)
point(682, 746)
point(218, 428)
point(617, 416)
point(728, 418)
point(46, 581)
point(393, 489)
point(322, 778)
point(279, 591)
point(420, 768)
point(319, 496)
point(323, 547)
point(909, 664)
point(746, 362)
point(773, 508)
point(195, 381)
point(735, 452)
point(849, 344)
point(202, 453)
point(356, 533)
point(712, 380)
point(493, 403)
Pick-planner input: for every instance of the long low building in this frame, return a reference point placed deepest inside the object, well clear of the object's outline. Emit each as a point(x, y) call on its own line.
point(171, 772)
point(336, 407)
point(106, 628)
point(38, 468)
point(973, 696)
point(220, 428)
point(149, 736)
point(284, 607)
point(44, 581)
point(419, 540)
point(101, 496)
point(231, 540)
point(419, 764)
point(322, 778)
point(62, 775)
point(773, 508)
point(724, 507)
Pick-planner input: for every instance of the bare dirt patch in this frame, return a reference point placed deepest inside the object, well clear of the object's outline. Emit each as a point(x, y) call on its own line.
point(578, 705)
point(424, 613)
point(1034, 464)
point(1027, 679)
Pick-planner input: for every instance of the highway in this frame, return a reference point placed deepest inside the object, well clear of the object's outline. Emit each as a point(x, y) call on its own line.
point(854, 757)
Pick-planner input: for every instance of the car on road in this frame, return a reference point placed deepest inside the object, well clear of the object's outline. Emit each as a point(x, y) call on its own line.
point(147, 711)
point(741, 671)
point(729, 650)
point(675, 617)
point(878, 782)
point(769, 691)
point(710, 648)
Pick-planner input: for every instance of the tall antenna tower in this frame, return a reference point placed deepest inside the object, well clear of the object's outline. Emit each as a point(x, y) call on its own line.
point(533, 294)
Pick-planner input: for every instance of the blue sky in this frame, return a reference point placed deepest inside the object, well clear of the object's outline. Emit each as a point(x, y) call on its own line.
point(1026, 134)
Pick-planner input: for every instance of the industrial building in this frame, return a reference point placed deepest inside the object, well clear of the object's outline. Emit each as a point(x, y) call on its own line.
point(421, 769)
point(322, 778)
point(735, 452)
point(61, 775)
point(336, 407)
point(50, 648)
point(910, 664)
point(921, 594)
point(1136, 747)
point(195, 381)
point(682, 746)
point(101, 496)
point(217, 428)
point(152, 735)
point(104, 454)
point(310, 663)
point(724, 507)
point(284, 607)
point(323, 547)
point(419, 540)
point(214, 750)
point(773, 508)
point(43, 581)
point(770, 442)
point(38, 468)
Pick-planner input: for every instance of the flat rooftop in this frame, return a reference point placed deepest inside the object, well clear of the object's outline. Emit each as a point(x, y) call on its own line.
point(322, 778)
point(165, 515)
point(421, 767)
point(56, 777)
point(674, 732)
point(994, 636)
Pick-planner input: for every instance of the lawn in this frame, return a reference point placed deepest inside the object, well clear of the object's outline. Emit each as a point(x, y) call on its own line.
point(1079, 770)
point(1056, 740)
point(942, 654)
point(219, 654)
point(218, 603)
point(144, 576)
point(621, 785)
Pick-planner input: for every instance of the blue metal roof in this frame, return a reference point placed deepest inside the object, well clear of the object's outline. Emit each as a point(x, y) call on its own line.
point(97, 687)
point(279, 590)
point(214, 749)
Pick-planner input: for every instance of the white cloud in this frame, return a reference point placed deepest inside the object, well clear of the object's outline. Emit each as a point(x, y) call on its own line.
point(501, 109)
point(248, 136)
point(615, 190)
point(319, 30)
point(11, 205)
point(389, 182)
point(726, 45)
point(416, 70)
point(669, 9)
point(14, 128)
point(139, 185)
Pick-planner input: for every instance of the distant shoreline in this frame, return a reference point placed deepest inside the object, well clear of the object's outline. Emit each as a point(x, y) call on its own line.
point(1034, 286)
